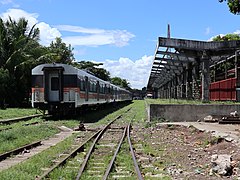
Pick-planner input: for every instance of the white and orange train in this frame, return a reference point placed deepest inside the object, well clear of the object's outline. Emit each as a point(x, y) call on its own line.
point(60, 88)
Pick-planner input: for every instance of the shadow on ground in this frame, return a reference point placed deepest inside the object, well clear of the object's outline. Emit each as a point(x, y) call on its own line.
point(91, 114)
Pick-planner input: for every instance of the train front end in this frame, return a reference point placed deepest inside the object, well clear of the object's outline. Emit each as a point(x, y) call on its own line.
point(49, 91)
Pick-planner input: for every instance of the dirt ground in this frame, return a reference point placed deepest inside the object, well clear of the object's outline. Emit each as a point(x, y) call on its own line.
point(185, 152)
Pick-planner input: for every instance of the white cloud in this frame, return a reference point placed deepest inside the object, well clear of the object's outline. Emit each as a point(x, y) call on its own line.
point(92, 40)
point(237, 32)
point(96, 37)
point(6, 1)
point(84, 37)
point(18, 13)
point(47, 33)
point(207, 31)
point(79, 51)
point(79, 29)
point(136, 73)
point(9, 2)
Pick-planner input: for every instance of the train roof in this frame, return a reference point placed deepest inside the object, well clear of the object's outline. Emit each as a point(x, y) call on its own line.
point(68, 69)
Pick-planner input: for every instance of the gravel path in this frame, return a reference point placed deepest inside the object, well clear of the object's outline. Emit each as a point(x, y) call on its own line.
point(182, 151)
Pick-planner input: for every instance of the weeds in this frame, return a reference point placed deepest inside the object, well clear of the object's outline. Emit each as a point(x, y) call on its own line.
point(16, 112)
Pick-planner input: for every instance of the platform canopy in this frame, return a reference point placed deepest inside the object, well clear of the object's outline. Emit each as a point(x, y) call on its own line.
point(173, 55)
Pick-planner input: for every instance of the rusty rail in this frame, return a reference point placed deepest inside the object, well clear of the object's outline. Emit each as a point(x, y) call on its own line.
point(13, 120)
point(18, 150)
point(84, 164)
point(72, 154)
point(140, 177)
point(115, 155)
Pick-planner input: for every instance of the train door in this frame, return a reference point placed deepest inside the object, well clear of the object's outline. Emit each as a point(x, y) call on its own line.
point(53, 84)
point(54, 87)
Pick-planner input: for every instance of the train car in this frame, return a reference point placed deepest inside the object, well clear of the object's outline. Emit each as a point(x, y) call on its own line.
point(60, 88)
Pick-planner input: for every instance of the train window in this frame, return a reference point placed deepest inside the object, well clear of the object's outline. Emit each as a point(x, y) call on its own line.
point(93, 87)
point(82, 85)
point(102, 88)
point(37, 81)
point(54, 83)
point(70, 80)
point(90, 86)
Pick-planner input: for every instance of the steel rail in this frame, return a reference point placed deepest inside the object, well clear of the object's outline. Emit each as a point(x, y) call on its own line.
point(139, 174)
point(115, 155)
point(84, 164)
point(13, 120)
point(64, 160)
point(18, 150)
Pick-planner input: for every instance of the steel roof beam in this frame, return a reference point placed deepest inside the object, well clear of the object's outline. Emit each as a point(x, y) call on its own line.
point(197, 45)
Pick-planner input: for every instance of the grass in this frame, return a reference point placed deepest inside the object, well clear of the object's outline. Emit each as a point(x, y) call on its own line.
point(69, 170)
point(16, 112)
point(158, 165)
point(181, 101)
point(140, 112)
point(124, 158)
point(22, 135)
point(18, 134)
point(33, 167)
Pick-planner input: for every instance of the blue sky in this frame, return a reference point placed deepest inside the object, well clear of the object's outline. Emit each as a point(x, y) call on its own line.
point(122, 34)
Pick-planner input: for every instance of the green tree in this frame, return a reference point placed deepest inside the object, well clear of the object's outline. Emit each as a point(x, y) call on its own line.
point(4, 79)
point(60, 52)
point(234, 5)
point(226, 65)
point(15, 44)
point(121, 82)
point(227, 37)
point(93, 68)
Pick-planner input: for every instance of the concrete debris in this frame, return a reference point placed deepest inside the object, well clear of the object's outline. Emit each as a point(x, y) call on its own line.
point(221, 164)
point(211, 118)
point(25, 151)
point(229, 139)
point(234, 114)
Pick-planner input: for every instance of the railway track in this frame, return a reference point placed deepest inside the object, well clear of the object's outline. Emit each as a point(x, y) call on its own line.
point(14, 120)
point(90, 156)
point(19, 150)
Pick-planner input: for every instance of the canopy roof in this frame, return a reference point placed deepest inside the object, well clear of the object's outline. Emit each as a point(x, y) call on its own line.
point(172, 55)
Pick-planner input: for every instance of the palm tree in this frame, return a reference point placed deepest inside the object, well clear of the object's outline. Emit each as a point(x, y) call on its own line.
point(16, 40)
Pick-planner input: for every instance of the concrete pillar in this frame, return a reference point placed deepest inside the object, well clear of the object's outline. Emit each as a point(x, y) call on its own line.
point(195, 84)
point(169, 90)
point(184, 80)
point(155, 93)
point(159, 93)
point(176, 87)
point(189, 81)
point(179, 83)
point(165, 93)
point(205, 78)
point(162, 95)
point(214, 73)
